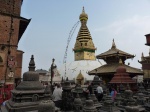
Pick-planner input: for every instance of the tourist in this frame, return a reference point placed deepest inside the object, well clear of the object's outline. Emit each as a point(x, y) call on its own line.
point(88, 90)
point(99, 92)
point(113, 94)
point(57, 96)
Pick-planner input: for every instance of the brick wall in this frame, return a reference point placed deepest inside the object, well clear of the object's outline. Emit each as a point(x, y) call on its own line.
point(10, 6)
point(6, 7)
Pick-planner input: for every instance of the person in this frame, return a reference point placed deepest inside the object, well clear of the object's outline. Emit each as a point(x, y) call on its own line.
point(4, 102)
point(113, 94)
point(88, 90)
point(99, 90)
point(57, 96)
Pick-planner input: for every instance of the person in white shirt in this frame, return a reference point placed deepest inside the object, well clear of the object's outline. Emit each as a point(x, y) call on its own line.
point(57, 95)
point(99, 90)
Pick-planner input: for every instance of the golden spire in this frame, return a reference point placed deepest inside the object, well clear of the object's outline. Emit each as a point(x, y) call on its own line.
point(83, 15)
point(120, 62)
point(84, 48)
point(142, 55)
point(83, 10)
point(113, 45)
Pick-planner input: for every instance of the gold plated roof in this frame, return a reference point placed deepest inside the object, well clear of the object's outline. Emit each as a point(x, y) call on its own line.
point(84, 39)
point(111, 68)
point(114, 52)
point(83, 15)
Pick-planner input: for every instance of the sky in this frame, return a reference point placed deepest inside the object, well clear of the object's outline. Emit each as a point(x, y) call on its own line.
point(125, 21)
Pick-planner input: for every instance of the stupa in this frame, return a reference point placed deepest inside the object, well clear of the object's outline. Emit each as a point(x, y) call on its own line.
point(30, 95)
point(84, 55)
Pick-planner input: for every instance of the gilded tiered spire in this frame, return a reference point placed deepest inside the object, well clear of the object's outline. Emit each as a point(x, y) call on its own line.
point(120, 62)
point(84, 47)
point(113, 44)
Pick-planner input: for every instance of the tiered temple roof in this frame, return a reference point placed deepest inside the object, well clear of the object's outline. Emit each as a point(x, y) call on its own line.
point(112, 57)
point(111, 68)
point(114, 52)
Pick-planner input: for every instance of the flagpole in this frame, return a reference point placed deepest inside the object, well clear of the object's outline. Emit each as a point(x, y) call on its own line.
point(53, 66)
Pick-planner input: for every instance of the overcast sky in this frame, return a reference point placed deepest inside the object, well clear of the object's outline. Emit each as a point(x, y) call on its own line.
point(127, 21)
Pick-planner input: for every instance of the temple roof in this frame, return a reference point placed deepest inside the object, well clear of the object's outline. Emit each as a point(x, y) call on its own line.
point(22, 27)
point(84, 39)
point(145, 59)
point(111, 68)
point(114, 52)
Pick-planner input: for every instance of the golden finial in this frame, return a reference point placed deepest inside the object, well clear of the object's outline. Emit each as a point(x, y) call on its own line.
point(83, 10)
point(120, 62)
point(113, 44)
point(80, 71)
point(83, 15)
point(142, 55)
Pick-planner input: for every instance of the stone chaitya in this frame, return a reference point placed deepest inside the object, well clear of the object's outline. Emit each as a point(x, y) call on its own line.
point(108, 105)
point(96, 81)
point(89, 106)
point(30, 95)
point(130, 104)
point(78, 105)
point(67, 96)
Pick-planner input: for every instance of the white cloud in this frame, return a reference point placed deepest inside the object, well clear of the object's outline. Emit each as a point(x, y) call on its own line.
point(141, 23)
point(129, 36)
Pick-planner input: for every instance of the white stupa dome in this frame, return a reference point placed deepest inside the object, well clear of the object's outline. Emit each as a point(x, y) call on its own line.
point(74, 68)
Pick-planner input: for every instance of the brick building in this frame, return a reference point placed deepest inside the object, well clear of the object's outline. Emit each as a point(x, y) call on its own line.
point(12, 27)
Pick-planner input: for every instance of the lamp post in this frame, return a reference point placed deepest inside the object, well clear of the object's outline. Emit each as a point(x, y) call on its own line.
point(53, 66)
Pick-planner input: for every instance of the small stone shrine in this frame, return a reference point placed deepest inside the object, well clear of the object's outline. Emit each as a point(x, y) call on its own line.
point(67, 96)
point(78, 104)
point(108, 105)
point(96, 81)
point(95, 100)
point(89, 106)
point(30, 95)
point(77, 90)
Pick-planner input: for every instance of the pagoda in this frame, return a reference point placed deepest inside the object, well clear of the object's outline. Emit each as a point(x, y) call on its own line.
point(112, 57)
